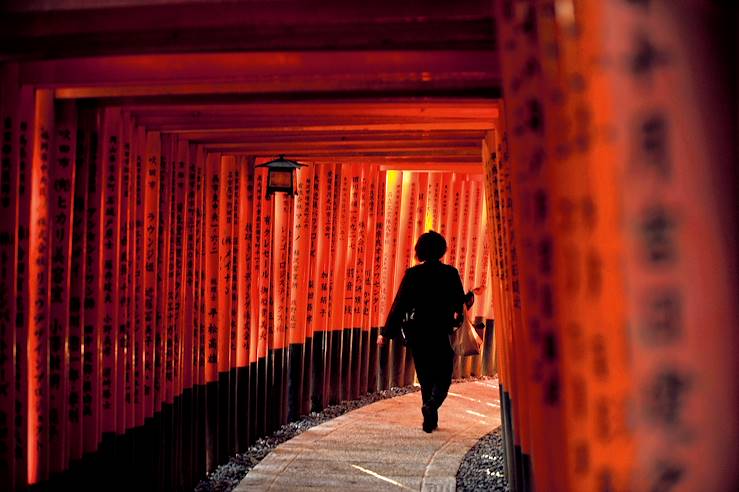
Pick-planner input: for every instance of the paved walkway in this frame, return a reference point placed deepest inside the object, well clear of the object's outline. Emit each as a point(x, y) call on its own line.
point(382, 447)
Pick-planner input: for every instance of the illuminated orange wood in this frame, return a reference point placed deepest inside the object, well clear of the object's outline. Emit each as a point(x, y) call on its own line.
point(245, 274)
point(110, 227)
point(211, 248)
point(227, 168)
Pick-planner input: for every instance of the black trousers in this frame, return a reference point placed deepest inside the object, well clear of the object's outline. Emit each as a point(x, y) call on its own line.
point(434, 365)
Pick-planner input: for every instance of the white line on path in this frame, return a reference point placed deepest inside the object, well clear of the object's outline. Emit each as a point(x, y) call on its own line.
point(377, 475)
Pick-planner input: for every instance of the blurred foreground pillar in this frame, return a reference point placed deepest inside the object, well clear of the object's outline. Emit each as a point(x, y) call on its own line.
point(620, 126)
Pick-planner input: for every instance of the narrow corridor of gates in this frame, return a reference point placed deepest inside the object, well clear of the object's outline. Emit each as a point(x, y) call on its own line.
point(184, 314)
point(159, 312)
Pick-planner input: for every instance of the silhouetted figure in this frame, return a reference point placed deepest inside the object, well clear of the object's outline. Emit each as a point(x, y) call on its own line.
point(433, 292)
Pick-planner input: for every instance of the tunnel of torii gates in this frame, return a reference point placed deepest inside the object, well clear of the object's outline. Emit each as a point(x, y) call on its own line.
point(158, 313)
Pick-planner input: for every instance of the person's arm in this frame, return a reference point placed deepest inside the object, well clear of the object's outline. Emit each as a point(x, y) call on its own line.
point(391, 329)
point(457, 295)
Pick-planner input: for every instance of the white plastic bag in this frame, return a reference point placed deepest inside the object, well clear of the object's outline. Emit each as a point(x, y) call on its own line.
point(465, 340)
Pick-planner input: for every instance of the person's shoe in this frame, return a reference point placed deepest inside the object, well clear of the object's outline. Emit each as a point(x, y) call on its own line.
point(428, 419)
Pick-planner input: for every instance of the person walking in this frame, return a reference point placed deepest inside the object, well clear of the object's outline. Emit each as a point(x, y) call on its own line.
point(430, 293)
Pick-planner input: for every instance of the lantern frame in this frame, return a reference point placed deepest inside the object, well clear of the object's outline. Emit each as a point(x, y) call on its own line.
point(281, 175)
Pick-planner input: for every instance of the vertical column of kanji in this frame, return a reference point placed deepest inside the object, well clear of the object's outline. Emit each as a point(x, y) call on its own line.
point(125, 296)
point(165, 317)
point(24, 112)
point(462, 246)
point(502, 325)
point(403, 258)
point(93, 285)
point(163, 356)
point(162, 283)
point(182, 160)
point(347, 281)
point(73, 416)
point(473, 226)
point(200, 317)
point(514, 434)
point(151, 179)
point(323, 214)
point(61, 215)
point(676, 150)
point(363, 282)
point(452, 219)
point(486, 363)
point(38, 288)
point(358, 284)
point(339, 241)
point(266, 315)
point(529, 433)
point(237, 265)
point(532, 177)
point(417, 193)
point(462, 223)
point(154, 306)
point(465, 227)
point(419, 217)
point(245, 301)
point(333, 280)
point(377, 222)
point(393, 191)
point(280, 300)
point(433, 207)
point(212, 240)
point(408, 201)
point(8, 267)
point(312, 293)
point(131, 156)
point(256, 345)
point(188, 315)
point(415, 227)
point(138, 309)
point(110, 167)
point(299, 290)
point(474, 241)
point(446, 197)
point(225, 271)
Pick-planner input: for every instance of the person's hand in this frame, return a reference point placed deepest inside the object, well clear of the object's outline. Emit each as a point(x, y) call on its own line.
point(380, 341)
point(478, 290)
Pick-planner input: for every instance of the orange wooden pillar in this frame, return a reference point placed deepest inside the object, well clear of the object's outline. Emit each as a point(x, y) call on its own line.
point(532, 175)
point(61, 217)
point(393, 190)
point(245, 301)
point(373, 373)
point(324, 214)
point(213, 201)
point(301, 292)
point(227, 166)
point(282, 222)
point(337, 274)
point(673, 148)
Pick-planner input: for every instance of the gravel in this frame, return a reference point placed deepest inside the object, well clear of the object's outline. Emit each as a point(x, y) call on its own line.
point(482, 466)
point(226, 477)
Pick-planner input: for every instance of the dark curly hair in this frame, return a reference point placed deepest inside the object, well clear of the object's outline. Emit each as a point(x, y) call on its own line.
point(430, 246)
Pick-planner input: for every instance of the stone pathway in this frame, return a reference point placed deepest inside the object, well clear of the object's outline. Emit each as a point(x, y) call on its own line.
point(382, 447)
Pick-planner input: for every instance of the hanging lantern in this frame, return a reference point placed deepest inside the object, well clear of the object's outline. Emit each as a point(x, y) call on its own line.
point(281, 175)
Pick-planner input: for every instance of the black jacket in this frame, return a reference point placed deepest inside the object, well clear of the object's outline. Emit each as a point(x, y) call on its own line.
point(435, 291)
